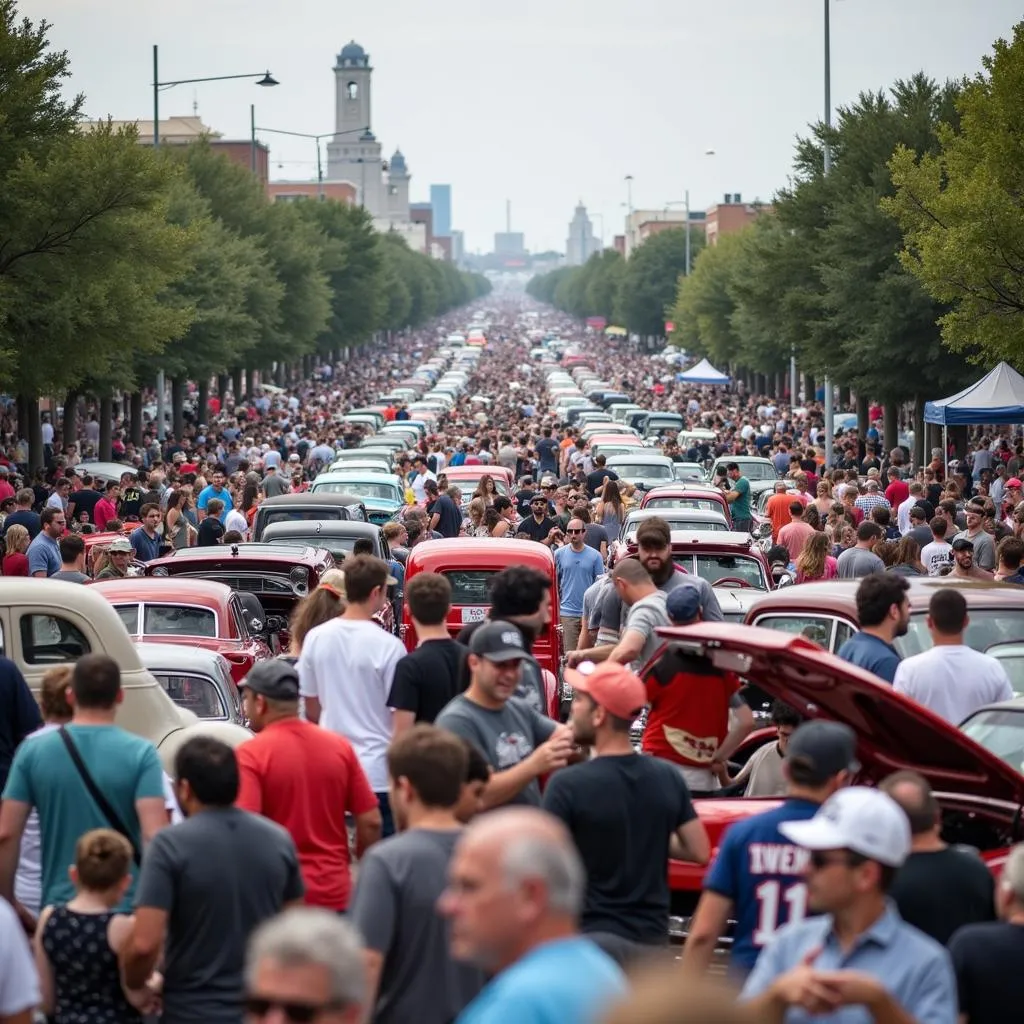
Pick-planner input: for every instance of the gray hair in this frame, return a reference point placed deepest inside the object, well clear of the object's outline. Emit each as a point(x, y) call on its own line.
point(557, 865)
point(1013, 873)
point(306, 936)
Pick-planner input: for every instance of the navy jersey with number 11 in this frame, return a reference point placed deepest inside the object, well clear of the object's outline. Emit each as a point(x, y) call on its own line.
point(762, 873)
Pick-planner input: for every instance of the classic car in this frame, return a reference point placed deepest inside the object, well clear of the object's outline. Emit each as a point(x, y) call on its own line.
point(723, 559)
point(337, 536)
point(46, 623)
point(677, 519)
point(288, 508)
point(362, 460)
point(826, 612)
point(384, 493)
point(469, 564)
point(193, 612)
point(761, 474)
point(103, 472)
point(687, 495)
point(646, 469)
point(196, 679)
point(981, 796)
point(467, 479)
point(655, 424)
point(278, 575)
point(689, 472)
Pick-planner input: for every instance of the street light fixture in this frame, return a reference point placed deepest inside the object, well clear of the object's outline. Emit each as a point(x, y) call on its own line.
point(266, 80)
point(299, 135)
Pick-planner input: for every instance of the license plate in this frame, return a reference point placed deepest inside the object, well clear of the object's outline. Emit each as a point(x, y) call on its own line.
point(474, 613)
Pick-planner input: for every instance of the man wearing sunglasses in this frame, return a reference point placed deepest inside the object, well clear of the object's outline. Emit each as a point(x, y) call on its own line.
point(578, 568)
point(858, 961)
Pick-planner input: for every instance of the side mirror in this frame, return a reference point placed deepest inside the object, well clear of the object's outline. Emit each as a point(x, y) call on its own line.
point(275, 624)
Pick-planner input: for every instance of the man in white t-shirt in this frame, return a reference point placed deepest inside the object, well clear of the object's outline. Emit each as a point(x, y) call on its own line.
point(418, 483)
point(939, 553)
point(346, 670)
point(951, 679)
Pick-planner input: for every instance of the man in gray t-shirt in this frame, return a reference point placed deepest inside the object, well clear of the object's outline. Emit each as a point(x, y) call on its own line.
point(646, 613)
point(860, 560)
point(520, 744)
point(205, 884)
point(400, 881)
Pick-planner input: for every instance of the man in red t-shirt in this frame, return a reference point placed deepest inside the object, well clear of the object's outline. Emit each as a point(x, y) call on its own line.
point(688, 720)
point(305, 778)
point(898, 490)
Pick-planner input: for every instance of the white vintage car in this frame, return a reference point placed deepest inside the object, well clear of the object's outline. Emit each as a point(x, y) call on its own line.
point(46, 623)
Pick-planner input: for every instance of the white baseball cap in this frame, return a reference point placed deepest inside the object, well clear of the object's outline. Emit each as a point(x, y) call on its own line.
point(866, 821)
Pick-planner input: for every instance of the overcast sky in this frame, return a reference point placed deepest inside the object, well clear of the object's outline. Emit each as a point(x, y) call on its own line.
point(542, 102)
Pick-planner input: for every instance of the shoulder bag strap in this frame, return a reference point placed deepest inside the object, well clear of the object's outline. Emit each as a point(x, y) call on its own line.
point(94, 791)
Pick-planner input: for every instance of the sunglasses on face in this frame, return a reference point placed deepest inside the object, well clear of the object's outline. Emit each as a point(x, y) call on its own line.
point(820, 859)
point(299, 1013)
point(571, 532)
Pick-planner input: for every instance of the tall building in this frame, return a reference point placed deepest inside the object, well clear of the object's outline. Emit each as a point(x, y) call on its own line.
point(441, 201)
point(641, 224)
point(732, 215)
point(458, 246)
point(354, 154)
point(581, 243)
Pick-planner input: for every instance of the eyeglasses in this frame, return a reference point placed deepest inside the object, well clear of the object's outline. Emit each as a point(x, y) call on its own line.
point(571, 532)
point(300, 1013)
point(820, 859)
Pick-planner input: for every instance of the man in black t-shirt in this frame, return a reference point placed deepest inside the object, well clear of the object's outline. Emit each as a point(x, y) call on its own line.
point(539, 526)
point(987, 957)
point(83, 500)
point(625, 812)
point(599, 476)
point(933, 867)
point(445, 517)
point(432, 675)
point(131, 498)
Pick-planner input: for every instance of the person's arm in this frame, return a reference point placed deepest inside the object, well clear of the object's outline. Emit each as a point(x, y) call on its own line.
point(629, 647)
point(26, 710)
point(369, 827)
point(709, 924)
point(547, 757)
point(44, 968)
point(152, 815)
point(13, 815)
point(403, 721)
point(594, 654)
point(690, 842)
point(308, 682)
point(742, 728)
point(374, 911)
point(118, 932)
point(250, 788)
point(142, 948)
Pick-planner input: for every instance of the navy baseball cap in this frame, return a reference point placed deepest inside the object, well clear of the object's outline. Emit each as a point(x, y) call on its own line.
point(683, 604)
point(499, 641)
point(276, 679)
point(823, 750)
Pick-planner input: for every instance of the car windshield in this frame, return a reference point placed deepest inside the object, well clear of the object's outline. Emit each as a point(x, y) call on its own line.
point(173, 620)
point(384, 489)
point(713, 525)
point(757, 470)
point(1001, 732)
point(700, 504)
point(648, 471)
point(1011, 657)
point(339, 547)
point(988, 626)
point(468, 485)
point(721, 567)
point(195, 693)
point(470, 586)
point(303, 515)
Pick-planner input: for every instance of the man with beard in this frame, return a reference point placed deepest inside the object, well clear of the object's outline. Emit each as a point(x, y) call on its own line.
point(522, 596)
point(883, 610)
point(623, 810)
point(654, 542)
point(964, 567)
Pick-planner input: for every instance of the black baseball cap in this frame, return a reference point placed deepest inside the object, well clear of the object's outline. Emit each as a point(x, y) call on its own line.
point(823, 750)
point(499, 641)
point(963, 544)
point(276, 679)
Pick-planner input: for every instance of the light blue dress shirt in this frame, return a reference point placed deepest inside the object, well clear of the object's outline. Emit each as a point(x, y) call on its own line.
point(915, 969)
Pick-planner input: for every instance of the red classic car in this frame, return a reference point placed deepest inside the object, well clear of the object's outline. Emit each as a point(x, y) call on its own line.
point(279, 576)
point(695, 496)
point(469, 564)
point(197, 613)
point(981, 796)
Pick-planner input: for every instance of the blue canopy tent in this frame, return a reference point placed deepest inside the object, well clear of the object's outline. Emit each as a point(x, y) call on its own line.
point(997, 398)
point(703, 373)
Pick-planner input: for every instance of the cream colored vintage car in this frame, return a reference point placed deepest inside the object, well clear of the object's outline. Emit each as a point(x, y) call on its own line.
point(46, 623)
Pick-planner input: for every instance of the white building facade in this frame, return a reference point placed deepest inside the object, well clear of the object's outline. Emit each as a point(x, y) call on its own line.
point(581, 243)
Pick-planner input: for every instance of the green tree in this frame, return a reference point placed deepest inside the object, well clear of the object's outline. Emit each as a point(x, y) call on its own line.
point(961, 213)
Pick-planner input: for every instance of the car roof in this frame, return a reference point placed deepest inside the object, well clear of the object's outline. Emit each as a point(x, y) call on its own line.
point(696, 515)
point(178, 657)
point(355, 476)
point(731, 540)
point(478, 552)
point(334, 498)
point(162, 588)
point(319, 528)
point(639, 460)
point(841, 595)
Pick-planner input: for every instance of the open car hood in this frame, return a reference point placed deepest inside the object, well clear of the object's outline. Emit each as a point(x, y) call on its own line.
point(893, 732)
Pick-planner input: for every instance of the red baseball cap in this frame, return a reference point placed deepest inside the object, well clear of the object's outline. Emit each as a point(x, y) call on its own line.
point(1014, 482)
point(611, 685)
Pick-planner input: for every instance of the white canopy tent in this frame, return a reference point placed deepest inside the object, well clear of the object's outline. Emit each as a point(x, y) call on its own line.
point(703, 373)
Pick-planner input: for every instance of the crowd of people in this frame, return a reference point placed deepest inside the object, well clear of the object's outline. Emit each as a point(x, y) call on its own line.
point(409, 836)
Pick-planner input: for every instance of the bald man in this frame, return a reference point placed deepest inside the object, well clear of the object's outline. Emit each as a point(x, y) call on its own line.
point(514, 896)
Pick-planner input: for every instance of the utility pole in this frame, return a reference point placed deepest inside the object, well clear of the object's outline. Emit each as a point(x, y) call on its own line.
point(829, 411)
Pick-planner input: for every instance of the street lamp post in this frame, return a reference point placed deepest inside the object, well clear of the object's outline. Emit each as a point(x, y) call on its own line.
point(827, 164)
point(266, 79)
point(302, 135)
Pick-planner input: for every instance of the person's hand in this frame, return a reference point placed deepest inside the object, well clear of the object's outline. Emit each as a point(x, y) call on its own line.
point(554, 753)
point(574, 658)
point(852, 988)
point(802, 986)
point(26, 917)
point(721, 772)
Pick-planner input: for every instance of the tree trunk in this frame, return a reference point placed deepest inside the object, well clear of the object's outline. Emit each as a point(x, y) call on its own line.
point(862, 414)
point(202, 401)
point(106, 420)
point(279, 374)
point(958, 435)
point(890, 425)
point(934, 437)
point(844, 397)
point(35, 435)
point(920, 435)
point(810, 394)
point(177, 406)
point(250, 382)
point(135, 417)
point(237, 383)
point(69, 423)
point(222, 390)
point(22, 417)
